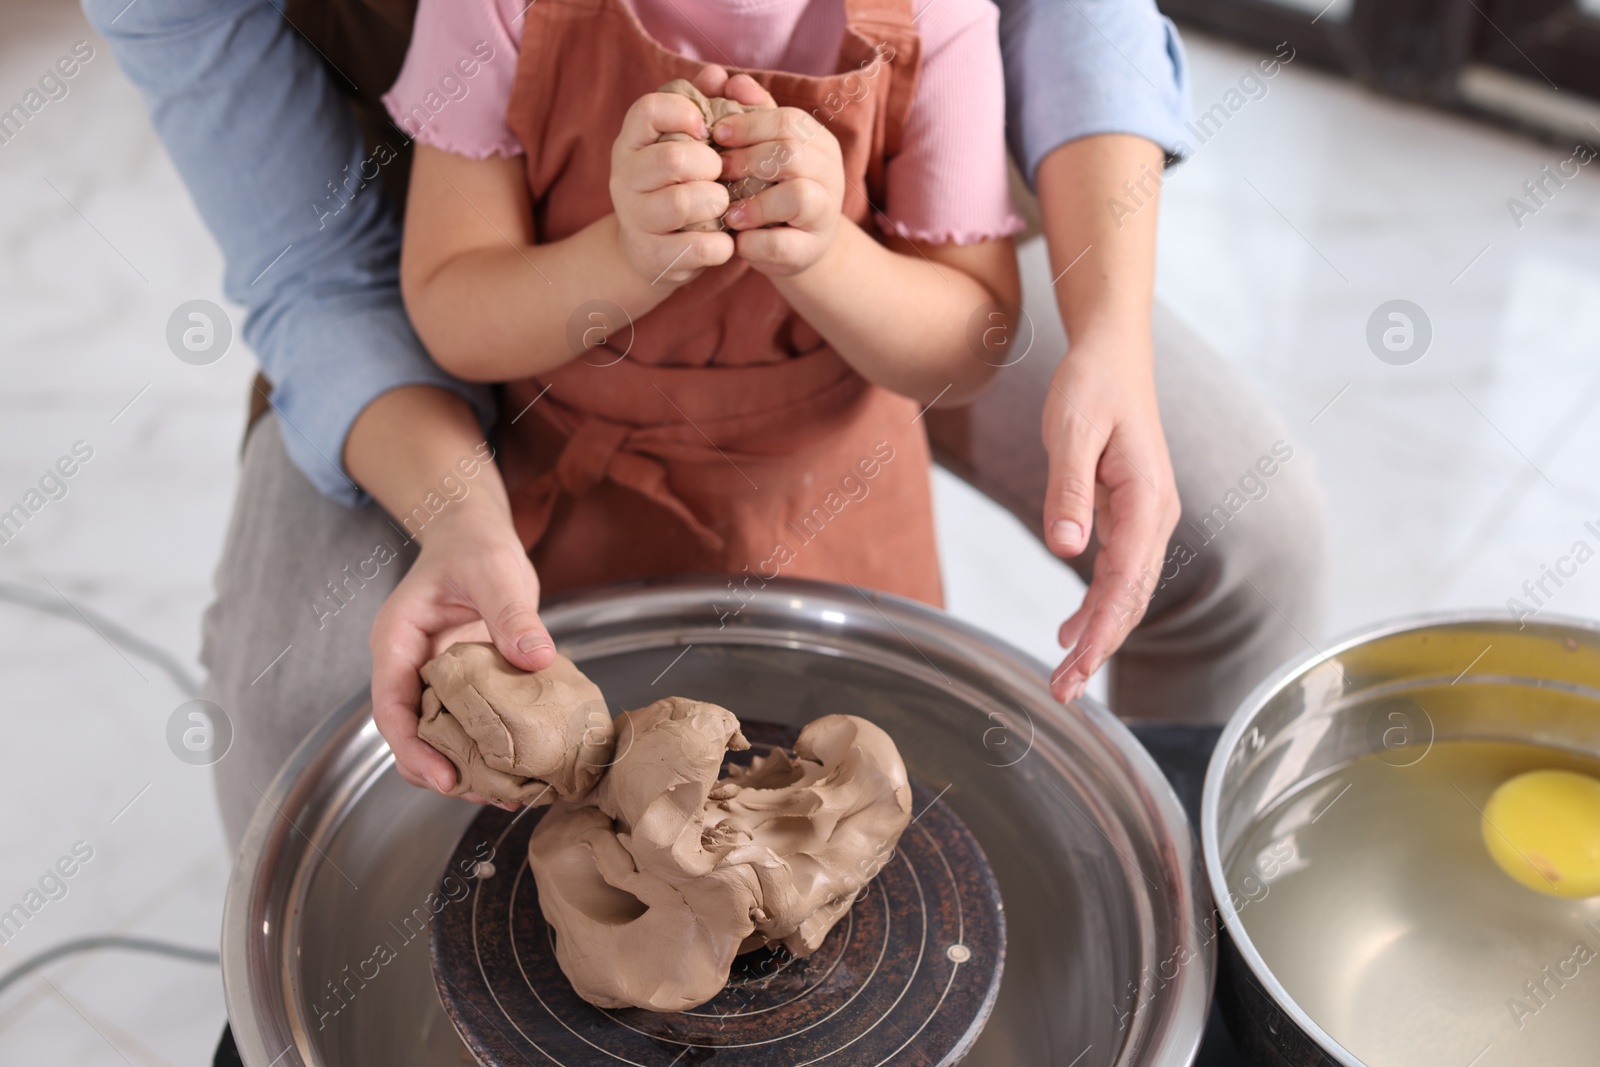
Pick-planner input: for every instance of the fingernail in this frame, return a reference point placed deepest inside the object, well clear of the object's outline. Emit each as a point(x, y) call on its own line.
point(438, 784)
point(1066, 533)
point(722, 131)
point(528, 644)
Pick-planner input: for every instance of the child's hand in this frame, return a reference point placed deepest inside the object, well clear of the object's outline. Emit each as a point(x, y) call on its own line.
point(659, 188)
point(787, 146)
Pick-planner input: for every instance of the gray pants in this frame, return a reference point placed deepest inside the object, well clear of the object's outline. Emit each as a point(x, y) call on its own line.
point(285, 641)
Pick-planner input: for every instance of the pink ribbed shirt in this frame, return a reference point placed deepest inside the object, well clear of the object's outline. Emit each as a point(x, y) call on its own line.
point(947, 184)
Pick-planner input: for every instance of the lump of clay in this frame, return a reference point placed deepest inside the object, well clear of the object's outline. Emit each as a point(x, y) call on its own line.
point(713, 109)
point(666, 872)
point(515, 737)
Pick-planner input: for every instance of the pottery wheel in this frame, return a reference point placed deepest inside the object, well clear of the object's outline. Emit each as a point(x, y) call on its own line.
point(907, 977)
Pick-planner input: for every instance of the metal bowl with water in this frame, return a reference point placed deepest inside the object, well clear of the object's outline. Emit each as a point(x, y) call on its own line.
point(325, 940)
point(1395, 941)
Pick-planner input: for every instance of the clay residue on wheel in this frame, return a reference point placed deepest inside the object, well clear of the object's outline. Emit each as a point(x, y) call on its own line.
point(667, 871)
point(515, 737)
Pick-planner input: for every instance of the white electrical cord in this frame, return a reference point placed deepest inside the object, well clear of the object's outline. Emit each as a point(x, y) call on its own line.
point(100, 941)
point(186, 682)
point(112, 631)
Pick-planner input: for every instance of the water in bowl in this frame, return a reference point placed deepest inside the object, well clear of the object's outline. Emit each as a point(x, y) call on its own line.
point(1372, 898)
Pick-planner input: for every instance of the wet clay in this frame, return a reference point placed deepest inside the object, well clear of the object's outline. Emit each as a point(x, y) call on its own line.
point(666, 872)
point(515, 737)
point(713, 109)
point(654, 867)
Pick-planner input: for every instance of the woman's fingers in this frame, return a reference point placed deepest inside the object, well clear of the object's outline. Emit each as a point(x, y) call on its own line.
point(1073, 446)
point(1109, 478)
point(504, 590)
point(399, 649)
point(1134, 528)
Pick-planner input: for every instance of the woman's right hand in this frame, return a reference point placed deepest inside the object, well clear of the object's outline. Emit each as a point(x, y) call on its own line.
point(472, 581)
point(659, 187)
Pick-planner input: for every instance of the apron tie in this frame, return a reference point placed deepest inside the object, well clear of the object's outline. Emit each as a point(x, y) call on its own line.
point(595, 450)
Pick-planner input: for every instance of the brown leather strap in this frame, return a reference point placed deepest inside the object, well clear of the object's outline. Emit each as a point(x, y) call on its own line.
point(363, 44)
point(890, 29)
point(260, 391)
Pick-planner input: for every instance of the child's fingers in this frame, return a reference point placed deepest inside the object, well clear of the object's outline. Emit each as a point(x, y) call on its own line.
point(773, 161)
point(745, 90)
point(712, 79)
point(672, 162)
point(677, 257)
point(676, 206)
point(781, 247)
point(768, 124)
point(654, 114)
point(802, 204)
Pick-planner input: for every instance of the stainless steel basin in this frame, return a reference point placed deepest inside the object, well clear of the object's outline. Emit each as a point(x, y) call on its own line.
point(1406, 971)
point(325, 956)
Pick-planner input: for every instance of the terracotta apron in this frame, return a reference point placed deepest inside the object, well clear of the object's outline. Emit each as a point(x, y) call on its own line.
point(718, 433)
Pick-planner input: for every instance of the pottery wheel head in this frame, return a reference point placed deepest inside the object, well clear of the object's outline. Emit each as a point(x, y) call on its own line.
point(908, 977)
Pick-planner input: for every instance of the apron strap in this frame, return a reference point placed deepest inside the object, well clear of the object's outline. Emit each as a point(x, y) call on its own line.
point(891, 22)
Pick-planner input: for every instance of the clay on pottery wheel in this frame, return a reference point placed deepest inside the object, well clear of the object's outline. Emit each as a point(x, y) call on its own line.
point(666, 872)
point(713, 109)
point(515, 737)
point(921, 952)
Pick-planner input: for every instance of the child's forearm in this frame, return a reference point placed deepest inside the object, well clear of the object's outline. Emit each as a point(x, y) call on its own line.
point(901, 318)
point(496, 313)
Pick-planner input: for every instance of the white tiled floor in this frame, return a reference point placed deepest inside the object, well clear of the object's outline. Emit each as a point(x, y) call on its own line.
point(1450, 480)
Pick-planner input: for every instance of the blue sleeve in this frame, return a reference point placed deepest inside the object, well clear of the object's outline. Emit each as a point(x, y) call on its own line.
point(1079, 67)
point(274, 161)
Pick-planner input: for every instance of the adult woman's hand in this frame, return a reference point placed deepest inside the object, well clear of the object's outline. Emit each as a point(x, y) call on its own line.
point(472, 581)
point(1110, 473)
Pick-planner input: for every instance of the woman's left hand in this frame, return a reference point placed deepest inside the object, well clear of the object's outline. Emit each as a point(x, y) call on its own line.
point(1111, 478)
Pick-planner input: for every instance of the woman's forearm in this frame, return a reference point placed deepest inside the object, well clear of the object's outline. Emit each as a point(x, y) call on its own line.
point(420, 452)
point(901, 318)
point(502, 312)
point(1099, 196)
point(1110, 478)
